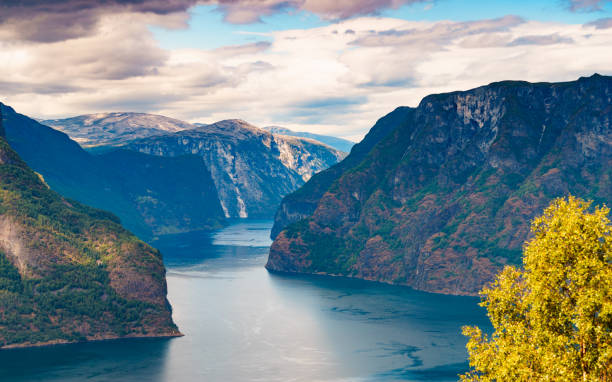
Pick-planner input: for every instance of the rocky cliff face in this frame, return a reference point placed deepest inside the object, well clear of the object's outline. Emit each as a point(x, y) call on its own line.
point(252, 169)
point(151, 195)
point(69, 272)
point(115, 128)
point(444, 199)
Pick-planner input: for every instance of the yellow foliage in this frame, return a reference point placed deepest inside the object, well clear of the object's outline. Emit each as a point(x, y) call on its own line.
point(552, 319)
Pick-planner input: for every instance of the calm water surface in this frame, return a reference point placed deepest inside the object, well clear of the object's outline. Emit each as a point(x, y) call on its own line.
point(242, 323)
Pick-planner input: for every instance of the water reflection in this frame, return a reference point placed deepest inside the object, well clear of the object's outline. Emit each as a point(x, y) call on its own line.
point(124, 360)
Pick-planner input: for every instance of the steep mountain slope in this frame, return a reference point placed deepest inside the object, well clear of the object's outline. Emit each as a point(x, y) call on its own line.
point(112, 129)
point(335, 142)
point(70, 272)
point(252, 169)
point(151, 195)
point(303, 202)
point(170, 194)
point(445, 199)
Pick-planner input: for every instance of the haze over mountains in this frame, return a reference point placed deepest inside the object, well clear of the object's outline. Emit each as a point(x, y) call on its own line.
point(439, 197)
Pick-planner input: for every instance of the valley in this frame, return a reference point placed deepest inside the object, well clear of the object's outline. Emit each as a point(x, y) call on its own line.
point(305, 191)
point(242, 323)
point(435, 200)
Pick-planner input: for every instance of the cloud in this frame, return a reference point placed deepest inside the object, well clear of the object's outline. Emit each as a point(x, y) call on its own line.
point(305, 79)
point(604, 23)
point(238, 50)
point(439, 33)
point(586, 5)
point(59, 20)
point(549, 39)
point(126, 50)
point(342, 9)
point(37, 88)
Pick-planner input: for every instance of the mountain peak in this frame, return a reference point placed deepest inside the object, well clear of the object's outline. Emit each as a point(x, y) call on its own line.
point(230, 124)
point(115, 128)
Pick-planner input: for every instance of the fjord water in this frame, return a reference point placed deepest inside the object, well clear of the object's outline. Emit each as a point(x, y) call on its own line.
point(242, 323)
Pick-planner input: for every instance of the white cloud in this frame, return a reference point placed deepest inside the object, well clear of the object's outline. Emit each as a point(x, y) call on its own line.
point(312, 80)
point(59, 20)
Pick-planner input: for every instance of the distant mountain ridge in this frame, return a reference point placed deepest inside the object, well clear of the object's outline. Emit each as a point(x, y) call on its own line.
point(68, 272)
point(335, 142)
point(252, 168)
point(439, 197)
point(151, 195)
point(115, 128)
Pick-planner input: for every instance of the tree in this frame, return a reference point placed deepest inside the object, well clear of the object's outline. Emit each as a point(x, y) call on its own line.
point(552, 320)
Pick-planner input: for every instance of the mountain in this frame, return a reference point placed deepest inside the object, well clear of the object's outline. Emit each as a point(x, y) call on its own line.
point(335, 142)
point(113, 129)
point(443, 198)
point(69, 272)
point(151, 195)
point(303, 202)
point(252, 168)
point(170, 194)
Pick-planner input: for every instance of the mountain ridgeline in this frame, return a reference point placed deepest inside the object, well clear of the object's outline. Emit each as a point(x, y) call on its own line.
point(252, 168)
point(335, 142)
point(439, 197)
point(68, 272)
point(151, 195)
point(113, 129)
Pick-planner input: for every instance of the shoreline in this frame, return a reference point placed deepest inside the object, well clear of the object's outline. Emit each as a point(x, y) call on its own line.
point(361, 279)
point(102, 339)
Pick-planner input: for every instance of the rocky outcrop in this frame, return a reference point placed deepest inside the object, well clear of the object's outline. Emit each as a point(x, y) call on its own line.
point(69, 272)
point(252, 169)
point(443, 199)
point(151, 195)
point(112, 129)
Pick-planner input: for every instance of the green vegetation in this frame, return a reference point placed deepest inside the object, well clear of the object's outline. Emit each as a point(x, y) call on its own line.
point(62, 289)
point(455, 183)
point(10, 280)
point(553, 320)
point(38, 310)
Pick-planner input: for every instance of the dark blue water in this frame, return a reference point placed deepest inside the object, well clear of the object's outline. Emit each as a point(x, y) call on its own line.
point(242, 323)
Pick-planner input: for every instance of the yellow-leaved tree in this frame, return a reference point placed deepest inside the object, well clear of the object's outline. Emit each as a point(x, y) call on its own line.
point(552, 319)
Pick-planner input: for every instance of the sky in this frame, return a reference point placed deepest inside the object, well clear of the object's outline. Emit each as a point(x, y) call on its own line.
point(324, 66)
